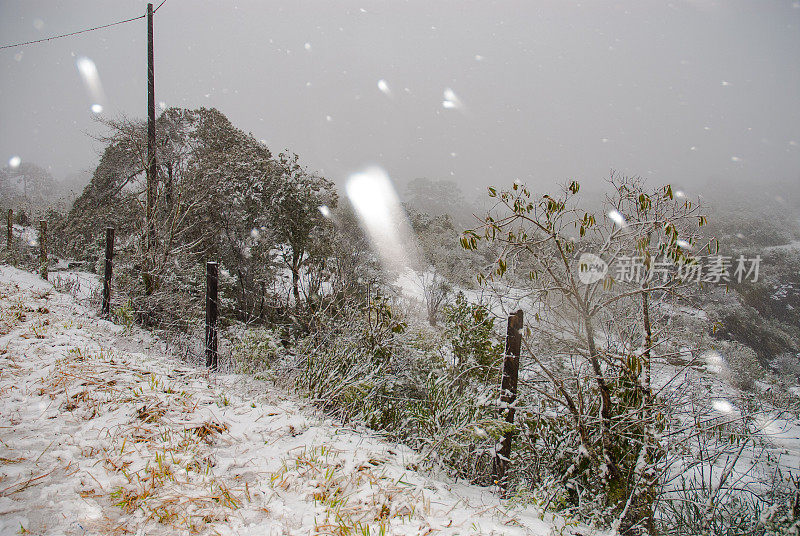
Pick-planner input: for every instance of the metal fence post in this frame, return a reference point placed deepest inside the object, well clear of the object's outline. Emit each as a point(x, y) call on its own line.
point(508, 394)
point(106, 308)
point(43, 248)
point(212, 310)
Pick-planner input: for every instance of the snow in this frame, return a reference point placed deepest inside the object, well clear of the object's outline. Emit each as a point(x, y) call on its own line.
point(103, 434)
point(775, 440)
point(791, 246)
point(82, 285)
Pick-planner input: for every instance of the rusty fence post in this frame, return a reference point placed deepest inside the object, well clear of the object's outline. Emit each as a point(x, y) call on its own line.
point(212, 310)
point(508, 394)
point(43, 248)
point(109, 268)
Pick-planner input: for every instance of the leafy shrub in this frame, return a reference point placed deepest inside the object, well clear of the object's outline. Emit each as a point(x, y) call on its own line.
point(743, 368)
point(369, 366)
point(254, 349)
point(471, 334)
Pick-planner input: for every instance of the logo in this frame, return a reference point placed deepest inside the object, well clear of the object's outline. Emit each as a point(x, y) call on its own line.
point(591, 268)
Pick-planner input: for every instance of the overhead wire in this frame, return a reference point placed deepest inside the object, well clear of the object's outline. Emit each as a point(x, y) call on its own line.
point(80, 31)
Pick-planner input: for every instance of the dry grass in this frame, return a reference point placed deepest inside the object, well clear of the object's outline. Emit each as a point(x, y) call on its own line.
point(166, 464)
point(360, 499)
point(155, 438)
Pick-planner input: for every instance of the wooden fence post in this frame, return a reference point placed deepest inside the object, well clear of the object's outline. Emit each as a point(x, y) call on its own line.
point(43, 248)
point(10, 233)
point(106, 308)
point(212, 278)
point(508, 394)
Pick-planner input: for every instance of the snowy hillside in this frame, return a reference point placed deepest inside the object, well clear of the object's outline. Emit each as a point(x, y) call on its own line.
point(101, 435)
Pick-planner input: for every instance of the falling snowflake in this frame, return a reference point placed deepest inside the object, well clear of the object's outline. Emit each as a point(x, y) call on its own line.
point(384, 87)
point(617, 218)
point(451, 100)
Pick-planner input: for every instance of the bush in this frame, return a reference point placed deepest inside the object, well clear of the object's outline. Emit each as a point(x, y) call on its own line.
point(254, 349)
point(743, 368)
point(369, 366)
point(471, 334)
point(787, 364)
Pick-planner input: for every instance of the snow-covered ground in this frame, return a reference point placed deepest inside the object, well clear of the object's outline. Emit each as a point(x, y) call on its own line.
point(81, 285)
point(101, 434)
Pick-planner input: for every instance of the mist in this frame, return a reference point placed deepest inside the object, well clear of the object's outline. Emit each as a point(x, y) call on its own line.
point(695, 93)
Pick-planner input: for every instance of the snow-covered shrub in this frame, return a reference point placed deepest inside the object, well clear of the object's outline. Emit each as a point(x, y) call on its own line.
point(379, 325)
point(253, 349)
point(787, 364)
point(470, 330)
point(742, 368)
point(688, 513)
point(370, 366)
point(700, 507)
point(594, 340)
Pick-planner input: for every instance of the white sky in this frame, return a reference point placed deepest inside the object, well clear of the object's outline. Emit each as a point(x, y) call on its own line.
point(682, 92)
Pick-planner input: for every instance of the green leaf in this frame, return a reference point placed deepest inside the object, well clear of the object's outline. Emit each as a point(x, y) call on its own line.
point(501, 266)
point(574, 187)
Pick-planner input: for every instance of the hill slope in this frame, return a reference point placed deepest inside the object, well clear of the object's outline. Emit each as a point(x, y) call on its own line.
point(101, 435)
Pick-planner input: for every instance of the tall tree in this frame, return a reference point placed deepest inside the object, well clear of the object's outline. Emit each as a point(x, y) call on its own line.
point(212, 199)
point(298, 209)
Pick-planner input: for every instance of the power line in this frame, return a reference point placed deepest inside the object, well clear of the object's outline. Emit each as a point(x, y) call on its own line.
point(159, 6)
point(78, 32)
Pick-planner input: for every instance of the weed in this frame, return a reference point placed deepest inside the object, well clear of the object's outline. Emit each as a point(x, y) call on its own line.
point(123, 315)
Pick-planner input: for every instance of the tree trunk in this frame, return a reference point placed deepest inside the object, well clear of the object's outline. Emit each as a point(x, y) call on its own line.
point(170, 187)
point(648, 441)
point(605, 400)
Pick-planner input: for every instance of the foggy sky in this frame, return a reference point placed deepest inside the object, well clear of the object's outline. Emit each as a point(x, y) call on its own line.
point(682, 92)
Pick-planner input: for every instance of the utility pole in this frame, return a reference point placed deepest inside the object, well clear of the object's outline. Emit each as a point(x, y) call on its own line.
point(151, 156)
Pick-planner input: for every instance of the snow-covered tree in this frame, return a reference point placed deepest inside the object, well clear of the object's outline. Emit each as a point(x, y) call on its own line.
point(297, 209)
point(221, 195)
point(599, 285)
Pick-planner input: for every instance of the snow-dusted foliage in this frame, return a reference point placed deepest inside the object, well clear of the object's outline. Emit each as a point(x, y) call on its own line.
point(608, 423)
point(637, 410)
point(105, 435)
point(220, 195)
